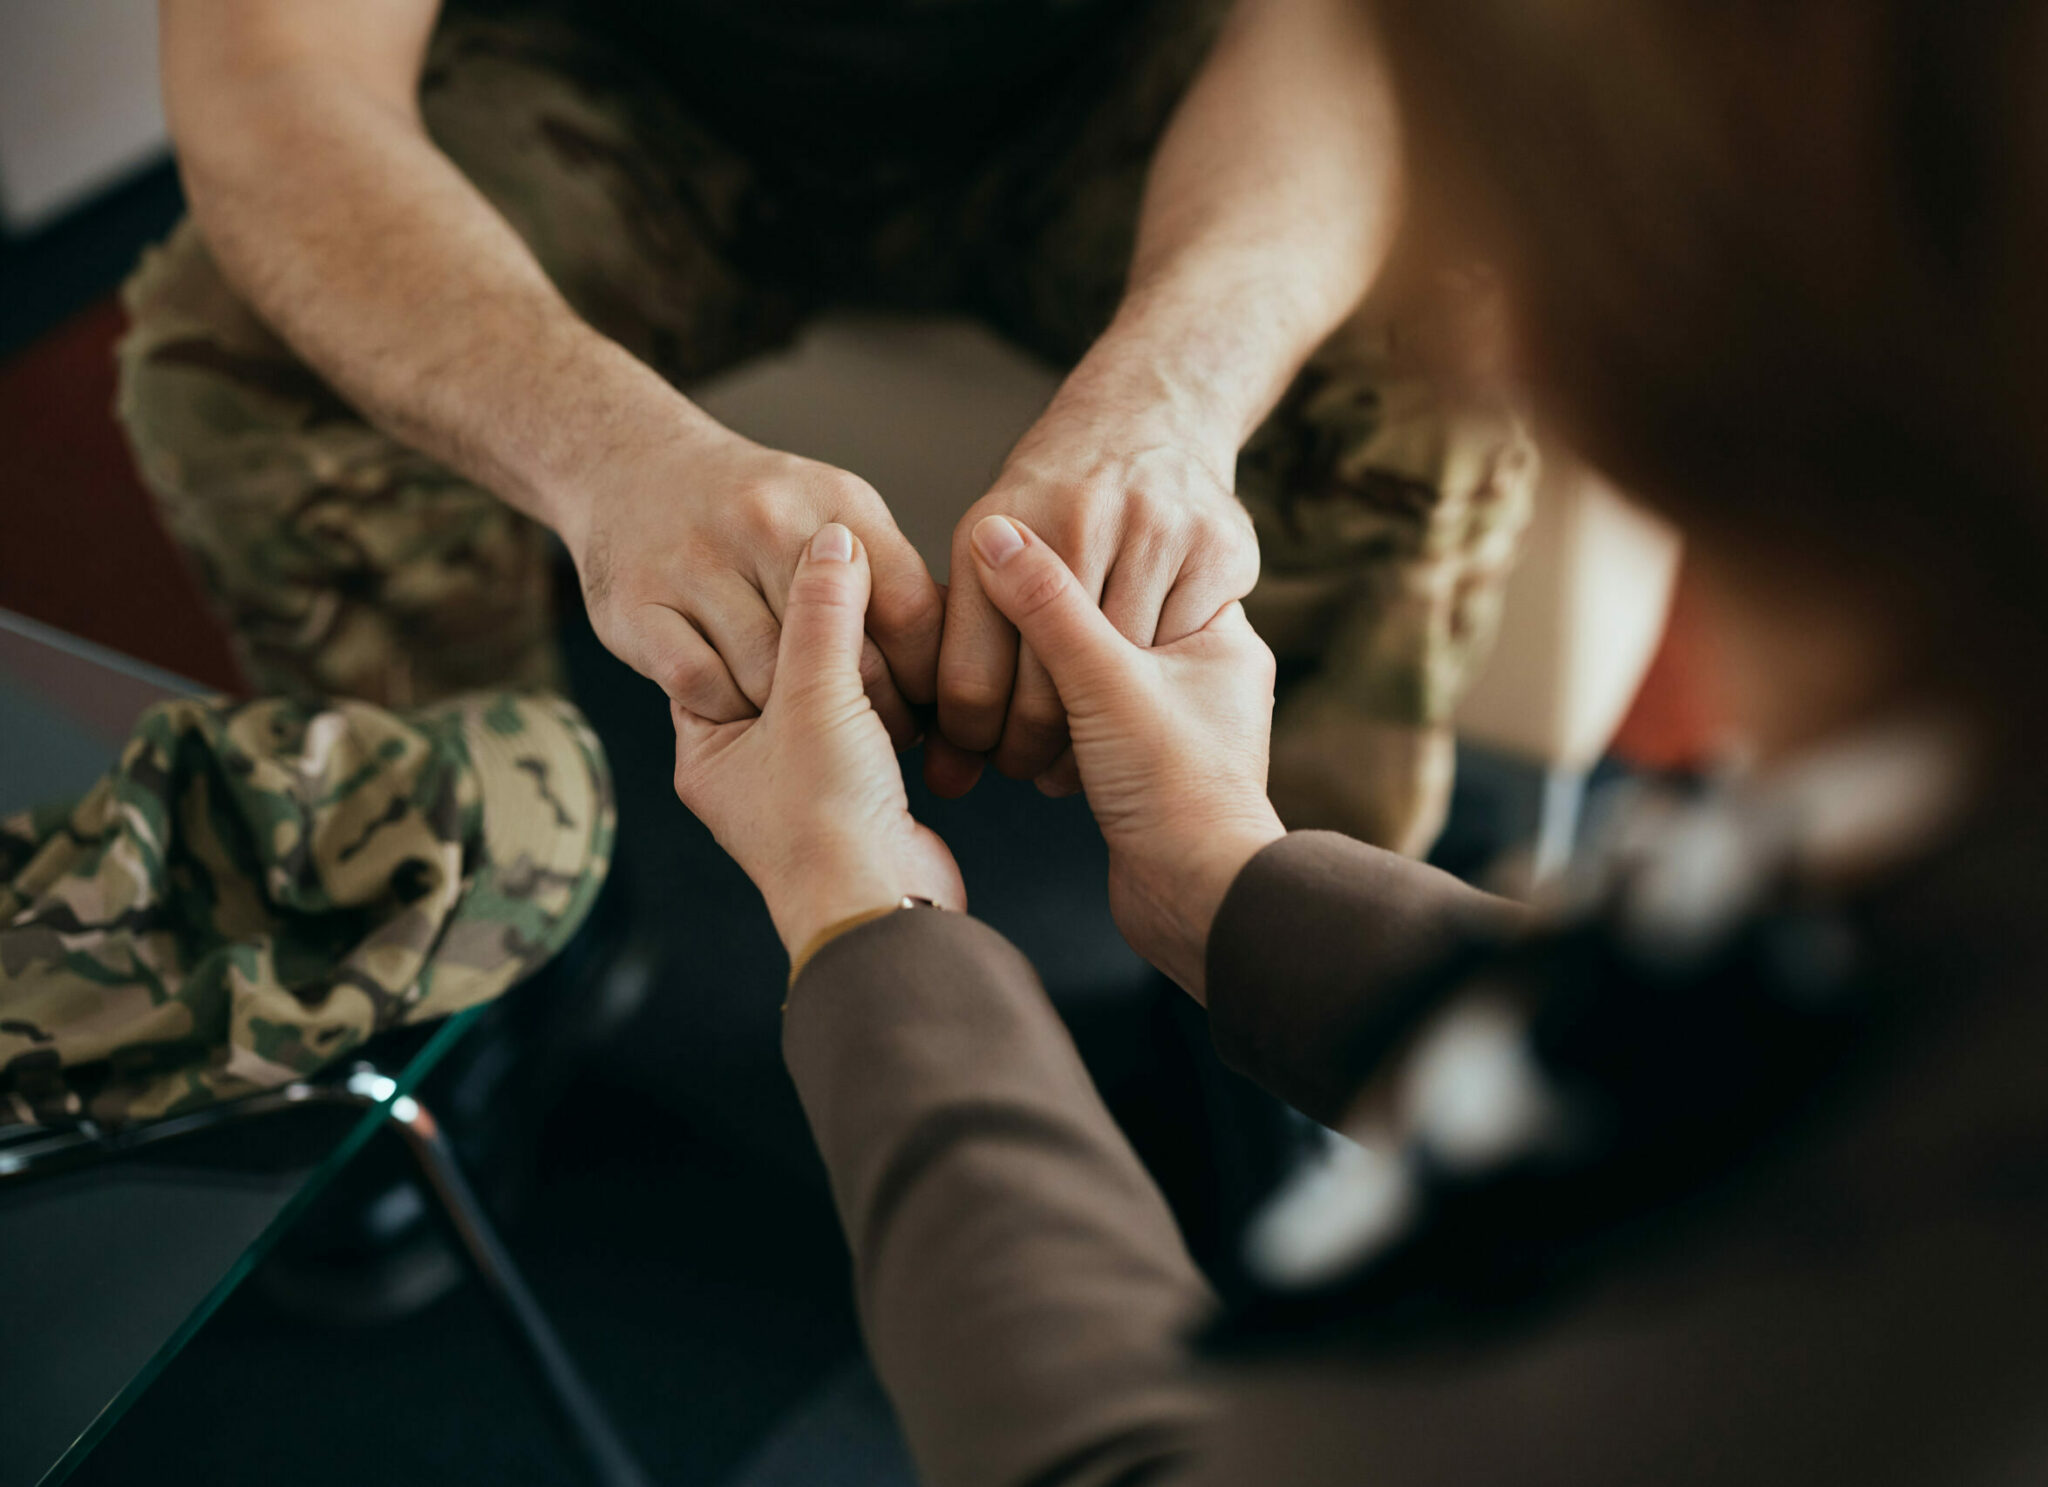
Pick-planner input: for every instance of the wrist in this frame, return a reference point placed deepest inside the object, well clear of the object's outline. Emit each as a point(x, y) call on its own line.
point(802, 921)
point(1175, 897)
point(1214, 863)
point(805, 953)
point(820, 897)
point(633, 419)
point(1132, 395)
point(1216, 373)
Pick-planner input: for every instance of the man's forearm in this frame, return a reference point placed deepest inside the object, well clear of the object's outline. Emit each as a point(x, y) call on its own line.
point(367, 250)
point(1270, 208)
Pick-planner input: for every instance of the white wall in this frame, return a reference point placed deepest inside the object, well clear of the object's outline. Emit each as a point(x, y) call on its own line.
point(924, 410)
point(79, 106)
point(1584, 614)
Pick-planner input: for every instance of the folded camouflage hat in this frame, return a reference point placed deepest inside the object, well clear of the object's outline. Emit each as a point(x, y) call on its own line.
point(258, 887)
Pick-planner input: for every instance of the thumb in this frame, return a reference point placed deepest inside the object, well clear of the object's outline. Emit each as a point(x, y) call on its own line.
point(1039, 594)
point(824, 621)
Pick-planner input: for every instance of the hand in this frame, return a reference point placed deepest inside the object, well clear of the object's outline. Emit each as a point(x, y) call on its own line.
point(686, 554)
point(1141, 510)
point(1171, 743)
point(808, 797)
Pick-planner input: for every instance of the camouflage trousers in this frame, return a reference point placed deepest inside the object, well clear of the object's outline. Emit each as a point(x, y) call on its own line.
point(1388, 506)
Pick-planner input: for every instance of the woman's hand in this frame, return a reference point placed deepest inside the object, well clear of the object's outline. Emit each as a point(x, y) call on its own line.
point(1133, 503)
point(808, 797)
point(1171, 742)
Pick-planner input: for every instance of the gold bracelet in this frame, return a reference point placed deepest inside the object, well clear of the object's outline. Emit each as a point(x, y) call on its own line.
point(839, 927)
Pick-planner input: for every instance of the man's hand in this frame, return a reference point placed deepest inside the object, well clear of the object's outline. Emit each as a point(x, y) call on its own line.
point(1269, 209)
point(1171, 743)
point(686, 554)
point(1140, 509)
point(328, 206)
point(808, 797)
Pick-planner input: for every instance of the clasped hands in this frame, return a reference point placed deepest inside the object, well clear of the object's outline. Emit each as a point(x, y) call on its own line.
point(1170, 742)
point(1135, 674)
point(687, 535)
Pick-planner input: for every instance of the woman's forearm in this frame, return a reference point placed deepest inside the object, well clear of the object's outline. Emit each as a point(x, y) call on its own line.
point(1023, 1288)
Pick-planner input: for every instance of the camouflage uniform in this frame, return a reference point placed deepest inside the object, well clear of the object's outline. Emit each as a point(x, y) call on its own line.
point(257, 888)
point(345, 563)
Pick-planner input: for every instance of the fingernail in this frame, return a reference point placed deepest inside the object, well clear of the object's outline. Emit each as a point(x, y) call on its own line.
point(832, 544)
point(997, 539)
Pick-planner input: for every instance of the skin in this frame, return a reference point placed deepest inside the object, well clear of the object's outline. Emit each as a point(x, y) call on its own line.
point(843, 841)
point(1170, 740)
point(328, 207)
point(1276, 192)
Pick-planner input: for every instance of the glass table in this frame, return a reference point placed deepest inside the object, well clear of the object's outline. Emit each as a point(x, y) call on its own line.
point(118, 1247)
point(115, 1247)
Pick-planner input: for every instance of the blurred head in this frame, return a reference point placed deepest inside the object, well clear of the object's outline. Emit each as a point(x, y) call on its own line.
point(1773, 265)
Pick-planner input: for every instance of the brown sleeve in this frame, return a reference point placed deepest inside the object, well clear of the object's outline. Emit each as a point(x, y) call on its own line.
point(1022, 1285)
point(1313, 935)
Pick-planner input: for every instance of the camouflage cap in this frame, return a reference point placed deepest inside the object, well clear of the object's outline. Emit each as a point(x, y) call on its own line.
point(258, 887)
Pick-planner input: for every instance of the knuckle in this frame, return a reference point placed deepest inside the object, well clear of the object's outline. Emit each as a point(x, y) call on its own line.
point(1044, 586)
point(611, 633)
point(1222, 520)
point(688, 679)
point(1069, 528)
point(702, 685)
point(762, 519)
point(1154, 548)
point(1244, 574)
point(842, 492)
point(1252, 655)
point(905, 599)
point(1229, 559)
point(1146, 509)
point(1093, 496)
point(1038, 721)
point(973, 691)
point(1061, 785)
point(759, 650)
point(874, 671)
point(1029, 746)
point(995, 503)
